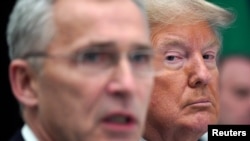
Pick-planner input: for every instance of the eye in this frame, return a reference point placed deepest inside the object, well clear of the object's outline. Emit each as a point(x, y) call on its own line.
point(94, 57)
point(91, 56)
point(173, 57)
point(208, 57)
point(241, 93)
point(141, 57)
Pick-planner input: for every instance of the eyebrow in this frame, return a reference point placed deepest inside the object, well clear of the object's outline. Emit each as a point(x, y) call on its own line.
point(179, 43)
point(176, 43)
point(213, 44)
point(101, 45)
point(142, 46)
point(109, 45)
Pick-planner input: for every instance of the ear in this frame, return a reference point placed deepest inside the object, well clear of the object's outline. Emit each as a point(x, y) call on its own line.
point(22, 83)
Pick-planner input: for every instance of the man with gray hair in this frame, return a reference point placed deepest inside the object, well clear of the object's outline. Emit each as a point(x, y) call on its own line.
point(81, 70)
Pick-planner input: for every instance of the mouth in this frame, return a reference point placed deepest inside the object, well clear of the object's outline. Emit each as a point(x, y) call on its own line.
point(201, 103)
point(120, 122)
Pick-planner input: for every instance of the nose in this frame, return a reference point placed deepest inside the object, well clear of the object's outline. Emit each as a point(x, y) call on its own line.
point(123, 81)
point(199, 73)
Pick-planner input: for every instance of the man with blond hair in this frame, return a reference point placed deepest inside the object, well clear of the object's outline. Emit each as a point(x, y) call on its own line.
point(186, 39)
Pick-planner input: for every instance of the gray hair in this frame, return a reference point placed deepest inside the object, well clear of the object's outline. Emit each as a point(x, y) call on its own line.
point(187, 11)
point(31, 27)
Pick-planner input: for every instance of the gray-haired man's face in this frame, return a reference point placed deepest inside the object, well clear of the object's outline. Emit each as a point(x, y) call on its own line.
point(109, 105)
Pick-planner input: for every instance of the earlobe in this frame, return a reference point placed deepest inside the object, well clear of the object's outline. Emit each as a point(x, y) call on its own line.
point(21, 79)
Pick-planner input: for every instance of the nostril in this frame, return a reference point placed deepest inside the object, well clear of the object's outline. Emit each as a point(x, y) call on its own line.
point(199, 78)
point(198, 83)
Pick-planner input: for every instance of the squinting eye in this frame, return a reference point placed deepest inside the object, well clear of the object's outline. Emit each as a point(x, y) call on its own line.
point(170, 58)
point(208, 57)
point(173, 58)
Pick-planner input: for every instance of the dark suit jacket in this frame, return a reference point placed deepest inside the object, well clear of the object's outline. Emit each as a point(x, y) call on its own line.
point(17, 136)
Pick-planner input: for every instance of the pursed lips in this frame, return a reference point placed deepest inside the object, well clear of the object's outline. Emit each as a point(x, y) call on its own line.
point(200, 102)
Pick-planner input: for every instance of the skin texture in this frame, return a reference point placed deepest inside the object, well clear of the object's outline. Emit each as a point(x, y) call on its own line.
point(61, 103)
point(185, 96)
point(235, 91)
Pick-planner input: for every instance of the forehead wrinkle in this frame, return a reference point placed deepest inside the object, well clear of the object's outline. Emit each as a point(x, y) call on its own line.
point(181, 42)
point(173, 42)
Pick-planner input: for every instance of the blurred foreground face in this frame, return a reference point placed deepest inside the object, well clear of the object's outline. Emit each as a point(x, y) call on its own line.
point(235, 91)
point(185, 96)
point(96, 81)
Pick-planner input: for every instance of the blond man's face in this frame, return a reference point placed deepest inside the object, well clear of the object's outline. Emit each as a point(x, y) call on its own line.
point(186, 88)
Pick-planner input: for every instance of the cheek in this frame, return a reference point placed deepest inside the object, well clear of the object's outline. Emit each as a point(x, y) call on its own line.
point(234, 104)
point(58, 99)
point(214, 90)
point(164, 106)
point(231, 107)
point(61, 86)
point(61, 91)
point(167, 93)
point(171, 84)
point(225, 101)
point(74, 98)
point(214, 94)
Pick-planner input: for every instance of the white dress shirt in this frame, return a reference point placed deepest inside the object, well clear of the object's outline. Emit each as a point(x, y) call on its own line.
point(27, 134)
point(204, 137)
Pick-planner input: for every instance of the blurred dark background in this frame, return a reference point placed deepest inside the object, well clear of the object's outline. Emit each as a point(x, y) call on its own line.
point(10, 117)
point(235, 41)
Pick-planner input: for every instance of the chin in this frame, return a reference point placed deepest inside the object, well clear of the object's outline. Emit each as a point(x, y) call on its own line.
point(123, 139)
point(199, 122)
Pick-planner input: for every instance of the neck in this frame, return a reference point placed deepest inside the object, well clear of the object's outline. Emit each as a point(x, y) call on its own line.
point(31, 119)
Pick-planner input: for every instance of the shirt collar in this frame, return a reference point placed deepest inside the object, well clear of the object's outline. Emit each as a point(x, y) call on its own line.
point(27, 134)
